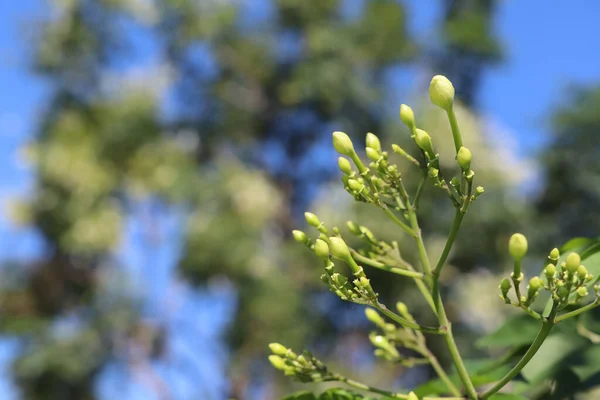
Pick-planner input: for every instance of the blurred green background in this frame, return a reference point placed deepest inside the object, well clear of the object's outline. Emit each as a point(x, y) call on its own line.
point(156, 154)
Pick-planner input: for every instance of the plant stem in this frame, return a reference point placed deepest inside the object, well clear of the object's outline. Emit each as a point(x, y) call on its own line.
point(455, 129)
point(535, 346)
point(404, 322)
point(375, 264)
point(578, 311)
point(401, 224)
point(425, 292)
point(420, 190)
point(458, 217)
point(441, 312)
point(435, 364)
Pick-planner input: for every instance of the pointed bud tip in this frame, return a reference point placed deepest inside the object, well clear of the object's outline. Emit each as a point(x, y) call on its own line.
point(345, 165)
point(572, 262)
point(424, 142)
point(372, 154)
point(338, 248)
point(407, 116)
point(277, 362)
point(535, 283)
point(343, 144)
point(278, 349)
point(464, 157)
point(441, 92)
point(373, 142)
point(312, 219)
point(554, 254)
point(321, 249)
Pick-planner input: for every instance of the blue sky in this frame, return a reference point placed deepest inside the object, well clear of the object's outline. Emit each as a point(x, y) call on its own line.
point(548, 46)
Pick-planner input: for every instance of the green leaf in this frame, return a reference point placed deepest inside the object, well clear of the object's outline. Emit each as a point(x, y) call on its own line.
point(549, 357)
point(303, 395)
point(342, 394)
point(589, 363)
point(506, 396)
point(575, 244)
point(517, 331)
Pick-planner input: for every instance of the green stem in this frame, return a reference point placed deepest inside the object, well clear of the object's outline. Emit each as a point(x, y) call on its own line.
point(420, 189)
point(425, 292)
point(458, 217)
point(455, 129)
point(401, 224)
point(375, 264)
point(406, 323)
point(535, 346)
point(441, 373)
point(441, 312)
point(578, 311)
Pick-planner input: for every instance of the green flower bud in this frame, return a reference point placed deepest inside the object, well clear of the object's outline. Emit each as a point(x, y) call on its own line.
point(562, 292)
point(339, 249)
point(535, 283)
point(582, 291)
point(312, 219)
point(505, 285)
point(479, 190)
point(278, 362)
point(355, 185)
point(423, 140)
point(407, 116)
point(572, 263)
point(434, 172)
point(278, 349)
point(554, 254)
point(374, 317)
point(299, 236)
point(517, 246)
point(345, 166)
point(321, 249)
point(581, 272)
point(343, 144)
point(354, 228)
point(464, 158)
point(373, 142)
point(412, 396)
point(550, 271)
point(372, 154)
point(441, 92)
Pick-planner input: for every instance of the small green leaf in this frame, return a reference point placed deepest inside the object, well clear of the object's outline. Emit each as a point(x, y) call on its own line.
point(303, 395)
point(506, 396)
point(517, 331)
point(549, 357)
point(576, 244)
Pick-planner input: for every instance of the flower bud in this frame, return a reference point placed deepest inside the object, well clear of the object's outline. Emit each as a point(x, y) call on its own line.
point(339, 249)
point(278, 349)
point(374, 317)
point(554, 254)
point(299, 236)
point(572, 263)
point(441, 92)
point(321, 249)
point(278, 362)
point(505, 285)
point(345, 166)
point(423, 140)
point(550, 271)
point(355, 185)
point(535, 283)
point(412, 396)
point(517, 246)
point(434, 172)
point(464, 158)
point(373, 142)
point(372, 154)
point(562, 292)
point(343, 144)
point(407, 116)
point(582, 291)
point(312, 219)
point(581, 272)
point(354, 227)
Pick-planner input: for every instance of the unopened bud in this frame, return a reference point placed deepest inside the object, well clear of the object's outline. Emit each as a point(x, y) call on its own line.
point(554, 254)
point(582, 291)
point(581, 272)
point(355, 185)
point(505, 286)
point(278, 362)
point(374, 317)
point(345, 166)
point(434, 172)
point(535, 283)
point(338, 248)
point(572, 263)
point(354, 228)
point(343, 144)
point(550, 271)
point(407, 116)
point(278, 349)
point(299, 236)
point(321, 249)
point(441, 92)
point(373, 142)
point(464, 158)
point(412, 396)
point(312, 219)
point(517, 246)
point(423, 140)
point(372, 154)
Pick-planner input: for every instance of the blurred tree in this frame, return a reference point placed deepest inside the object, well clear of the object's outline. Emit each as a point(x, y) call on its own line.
point(261, 82)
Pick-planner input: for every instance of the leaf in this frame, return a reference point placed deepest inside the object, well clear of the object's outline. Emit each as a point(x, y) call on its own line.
point(589, 363)
point(517, 331)
point(342, 394)
point(548, 359)
point(576, 243)
point(506, 396)
point(303, 395)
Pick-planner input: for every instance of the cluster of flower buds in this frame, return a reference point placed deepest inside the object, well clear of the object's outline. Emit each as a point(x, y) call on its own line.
point(390, 337)
point(303, 367)
point(328, 248)
point(566, 281)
